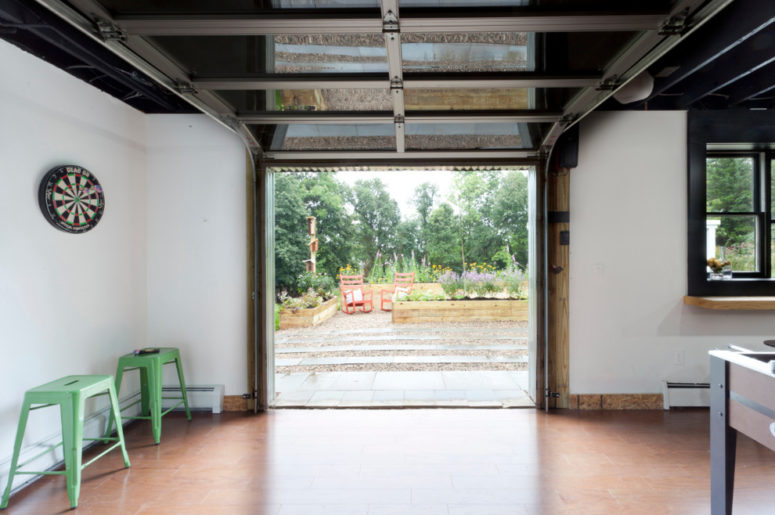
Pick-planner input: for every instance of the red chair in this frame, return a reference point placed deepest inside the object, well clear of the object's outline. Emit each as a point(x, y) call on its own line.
point(354, 294)
point(402, 287)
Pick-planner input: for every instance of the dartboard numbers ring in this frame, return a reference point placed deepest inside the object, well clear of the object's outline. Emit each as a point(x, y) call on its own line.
point(71, 199)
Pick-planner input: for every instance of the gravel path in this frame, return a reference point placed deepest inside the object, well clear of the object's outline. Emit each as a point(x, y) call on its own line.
point(370, 335)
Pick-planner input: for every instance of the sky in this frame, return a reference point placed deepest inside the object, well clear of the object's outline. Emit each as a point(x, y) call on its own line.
point(402, 183)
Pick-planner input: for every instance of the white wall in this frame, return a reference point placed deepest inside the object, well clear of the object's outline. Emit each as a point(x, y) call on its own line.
point(69, 304)
point(197, 247)
point(166, 265)
point(629, 329)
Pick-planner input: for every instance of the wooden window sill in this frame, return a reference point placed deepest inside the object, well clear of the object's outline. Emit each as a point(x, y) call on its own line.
point(731, 303)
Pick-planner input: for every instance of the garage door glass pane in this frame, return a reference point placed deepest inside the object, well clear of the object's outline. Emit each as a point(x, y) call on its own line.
point(467, 52)
point(334, 137)
point(468, 99)
point(465, 136)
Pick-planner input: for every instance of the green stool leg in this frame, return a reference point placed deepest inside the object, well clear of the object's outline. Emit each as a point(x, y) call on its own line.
point(155, 387)
point(70, 450)
point(16, 448)
point(182, 382)
point(115, 413)
point(145, 397)
point(118, 420)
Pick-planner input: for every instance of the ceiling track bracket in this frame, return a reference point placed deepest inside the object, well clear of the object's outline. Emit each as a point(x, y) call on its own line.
point(609, 84)
point(185, 88)
point(399, 119)
point(109, 31)
point(396, 83)
point(676, 25)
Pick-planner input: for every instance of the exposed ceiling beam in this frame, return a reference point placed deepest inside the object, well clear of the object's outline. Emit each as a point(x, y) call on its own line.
point(503, 20)
point(685, 18)
point(417, 117)
point(729, 68)
point(411, 81)
point(737, 25)
point(756, 84)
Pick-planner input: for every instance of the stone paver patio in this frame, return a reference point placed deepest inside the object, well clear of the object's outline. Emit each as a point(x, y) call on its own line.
point(364, 360)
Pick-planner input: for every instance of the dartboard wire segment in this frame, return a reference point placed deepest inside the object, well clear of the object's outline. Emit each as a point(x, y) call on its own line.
point(71, 199)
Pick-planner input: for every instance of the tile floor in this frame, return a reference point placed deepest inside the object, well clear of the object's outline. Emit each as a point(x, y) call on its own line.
point(413, 462)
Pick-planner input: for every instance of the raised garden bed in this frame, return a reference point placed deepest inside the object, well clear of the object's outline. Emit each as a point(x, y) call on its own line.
point(308, 317)
point(481, 310)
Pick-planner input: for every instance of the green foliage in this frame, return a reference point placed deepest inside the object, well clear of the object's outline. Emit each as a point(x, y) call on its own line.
point(443, 247)
point(376, 215)
point(362, 225)
point(290, 230)
point(310, 299)
point(424, 296)
point(321, 284)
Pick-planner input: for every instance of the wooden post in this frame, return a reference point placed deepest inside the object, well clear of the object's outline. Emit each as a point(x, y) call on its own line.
point(558, 246)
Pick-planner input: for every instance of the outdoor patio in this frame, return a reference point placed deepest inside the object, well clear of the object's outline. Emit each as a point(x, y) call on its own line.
point(364, 360)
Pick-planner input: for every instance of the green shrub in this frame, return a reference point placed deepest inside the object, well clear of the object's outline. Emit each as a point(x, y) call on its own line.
point(321, 284)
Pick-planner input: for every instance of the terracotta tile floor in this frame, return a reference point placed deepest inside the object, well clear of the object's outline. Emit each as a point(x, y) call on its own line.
point(414, 461)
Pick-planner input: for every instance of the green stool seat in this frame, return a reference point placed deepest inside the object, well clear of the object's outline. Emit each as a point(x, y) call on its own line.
point(150, 366)
point(70, 393)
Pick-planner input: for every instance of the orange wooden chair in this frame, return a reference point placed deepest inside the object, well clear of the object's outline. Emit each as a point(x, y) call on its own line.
point(402, 287)
point(354, 294)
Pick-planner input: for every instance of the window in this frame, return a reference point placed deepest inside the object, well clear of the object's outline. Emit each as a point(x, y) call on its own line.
point(731, 202)
point(737, 218)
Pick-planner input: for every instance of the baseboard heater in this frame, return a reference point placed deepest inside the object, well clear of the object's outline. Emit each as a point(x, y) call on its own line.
point(200, 397)
point(685, 395)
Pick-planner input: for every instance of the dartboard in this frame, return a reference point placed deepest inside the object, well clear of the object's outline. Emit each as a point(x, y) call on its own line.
point(71, 198)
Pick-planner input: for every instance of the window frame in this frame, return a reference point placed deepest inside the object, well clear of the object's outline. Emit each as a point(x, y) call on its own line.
point(729, 133)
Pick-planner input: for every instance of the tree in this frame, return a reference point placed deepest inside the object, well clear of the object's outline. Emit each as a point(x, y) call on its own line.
point(424, 197)
point(325, 198)
point(509, 215)
point(443, 244)
point(377, 215)
point(290, 230)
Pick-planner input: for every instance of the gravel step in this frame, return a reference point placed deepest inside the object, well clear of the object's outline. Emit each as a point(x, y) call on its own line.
point(362, 360)
point(398, 348)
point(404, 367)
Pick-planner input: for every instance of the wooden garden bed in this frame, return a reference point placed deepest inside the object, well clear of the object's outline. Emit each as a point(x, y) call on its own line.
point(482, 310)
point(308, 317)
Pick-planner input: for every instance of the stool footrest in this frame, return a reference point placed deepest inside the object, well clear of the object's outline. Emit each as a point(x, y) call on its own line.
point(172, 408)
point(145, 417)
point(46, 451)
point(100, 455)
point(42, 473)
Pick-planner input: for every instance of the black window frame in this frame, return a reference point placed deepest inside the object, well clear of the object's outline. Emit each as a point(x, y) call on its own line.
point(730, 133)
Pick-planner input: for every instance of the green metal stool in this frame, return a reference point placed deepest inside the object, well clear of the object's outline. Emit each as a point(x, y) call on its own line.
point(150, 366)
point(70, 393)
